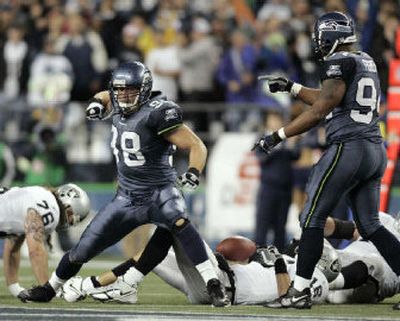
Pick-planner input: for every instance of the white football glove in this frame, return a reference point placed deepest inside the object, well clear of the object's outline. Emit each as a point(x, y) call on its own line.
point(95, 110)
point(189, 180)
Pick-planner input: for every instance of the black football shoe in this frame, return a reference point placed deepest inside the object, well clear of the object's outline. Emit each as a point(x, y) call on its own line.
point(217, 293)
point(42, 293)
point(292, 299)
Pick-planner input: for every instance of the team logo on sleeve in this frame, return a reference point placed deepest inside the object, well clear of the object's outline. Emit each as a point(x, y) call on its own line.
point(171, 114)
point(334, 71)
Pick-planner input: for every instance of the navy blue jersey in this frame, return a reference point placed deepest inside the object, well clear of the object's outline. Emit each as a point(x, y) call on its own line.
point(357, 115)
point(141, 153)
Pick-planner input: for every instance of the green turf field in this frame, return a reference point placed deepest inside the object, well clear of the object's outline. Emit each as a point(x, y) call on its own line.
point(156, 296)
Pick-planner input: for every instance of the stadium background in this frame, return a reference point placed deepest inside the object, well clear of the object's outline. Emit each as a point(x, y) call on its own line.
point(206, 55)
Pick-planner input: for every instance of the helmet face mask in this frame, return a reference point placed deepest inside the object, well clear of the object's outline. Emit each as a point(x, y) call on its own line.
point(130, 86)
point(329, 263)
point(330, 30)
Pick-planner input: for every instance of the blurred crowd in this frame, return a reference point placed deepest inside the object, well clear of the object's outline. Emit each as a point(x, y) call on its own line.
point(54, 52)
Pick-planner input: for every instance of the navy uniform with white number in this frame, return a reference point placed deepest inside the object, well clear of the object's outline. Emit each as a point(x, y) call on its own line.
point(146, 192)
point(356, 159)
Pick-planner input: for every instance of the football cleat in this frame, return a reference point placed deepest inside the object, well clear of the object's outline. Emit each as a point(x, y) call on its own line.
point(119, 291)
point(217, 293)
point(292, 299)
point(42, 293)
point(73, 290)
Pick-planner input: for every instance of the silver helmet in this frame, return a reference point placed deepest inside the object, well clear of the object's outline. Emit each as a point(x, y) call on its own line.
point(73, 196)
point(329, 263)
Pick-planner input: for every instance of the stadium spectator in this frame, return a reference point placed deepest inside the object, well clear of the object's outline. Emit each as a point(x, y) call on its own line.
point(236, 72)
point(275, 192)
point(164, 63)
point(199, 56)
point(146, 182)
point(32, 214)
point(45, 163)
point(51, 78)
point(15, 55)
point(7, 165)
point(86, 52)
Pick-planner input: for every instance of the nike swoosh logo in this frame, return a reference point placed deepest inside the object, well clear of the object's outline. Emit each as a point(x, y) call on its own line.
point(297, 299)
point(121, 123)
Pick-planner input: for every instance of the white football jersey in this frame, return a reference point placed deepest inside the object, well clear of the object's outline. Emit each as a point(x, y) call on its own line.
point(256, 284)
point(16, 202)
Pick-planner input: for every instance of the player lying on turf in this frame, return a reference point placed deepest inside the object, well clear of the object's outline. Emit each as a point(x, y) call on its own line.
point(366, 278)
point(260, 279)
point(32, 214)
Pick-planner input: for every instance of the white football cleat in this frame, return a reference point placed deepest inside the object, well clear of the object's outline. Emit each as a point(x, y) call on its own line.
point(72, 290)
point(119, 291)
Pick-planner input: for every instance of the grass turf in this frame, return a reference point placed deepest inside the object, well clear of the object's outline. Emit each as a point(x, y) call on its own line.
point(157, 296)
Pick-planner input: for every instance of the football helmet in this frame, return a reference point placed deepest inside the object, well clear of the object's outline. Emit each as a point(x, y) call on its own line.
point(329, 263)
point(71, 195)
point(130, 86)
point(330, 30)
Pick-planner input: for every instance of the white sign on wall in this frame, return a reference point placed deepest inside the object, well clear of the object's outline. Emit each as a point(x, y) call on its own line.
point(232, 183)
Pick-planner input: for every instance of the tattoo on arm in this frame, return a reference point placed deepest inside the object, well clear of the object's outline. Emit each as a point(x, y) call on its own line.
point(34, 226)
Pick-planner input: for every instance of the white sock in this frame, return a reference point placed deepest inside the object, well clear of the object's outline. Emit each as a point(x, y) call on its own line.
point(338, 283)
point(133, 276)
point(206, 269)
point(55, 282)
point(301, 283)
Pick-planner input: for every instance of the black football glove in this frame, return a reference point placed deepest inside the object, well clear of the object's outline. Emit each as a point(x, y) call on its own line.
point(95, 110)
point(42, 293)
point(190, 179)
point(266, 256)
point(267, 142)
point(277, 84)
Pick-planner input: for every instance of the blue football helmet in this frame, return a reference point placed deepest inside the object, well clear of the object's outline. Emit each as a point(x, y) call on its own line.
point(130, 86)
point(331, 30)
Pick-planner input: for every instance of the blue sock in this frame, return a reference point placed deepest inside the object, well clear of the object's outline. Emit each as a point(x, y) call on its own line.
point(66, 269)
point(388, 246)
point(310, 251)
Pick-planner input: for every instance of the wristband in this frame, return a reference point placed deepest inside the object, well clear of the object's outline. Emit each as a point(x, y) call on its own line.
point(15, 289)
point(281, 133)
point(280, 266)
point(295, 89)
point(194, 171)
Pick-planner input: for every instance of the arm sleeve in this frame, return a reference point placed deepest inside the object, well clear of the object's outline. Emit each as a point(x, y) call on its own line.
point(165, 118)
point(343, 69)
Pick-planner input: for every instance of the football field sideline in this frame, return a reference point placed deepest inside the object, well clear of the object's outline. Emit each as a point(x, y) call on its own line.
point(34, 314)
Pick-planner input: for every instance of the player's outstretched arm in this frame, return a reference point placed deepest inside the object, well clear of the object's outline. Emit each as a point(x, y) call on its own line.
point(282, 84)
point(35, 239)
point(11, 260)
point(184, 138)
point(332, 92)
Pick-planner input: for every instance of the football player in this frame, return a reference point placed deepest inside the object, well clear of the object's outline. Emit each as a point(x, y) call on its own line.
point(145, 127)
point(366, 277)
point(32, 214)
point(355, 159)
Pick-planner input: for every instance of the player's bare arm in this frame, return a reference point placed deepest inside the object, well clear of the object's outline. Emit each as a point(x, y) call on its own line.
point(332, 92)
point(11, 261)
point(282, 84)
point(35, 239)
point(308, 95)
point(184, 138)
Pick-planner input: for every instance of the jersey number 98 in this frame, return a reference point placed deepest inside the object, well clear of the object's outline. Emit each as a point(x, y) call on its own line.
point(130, 145)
